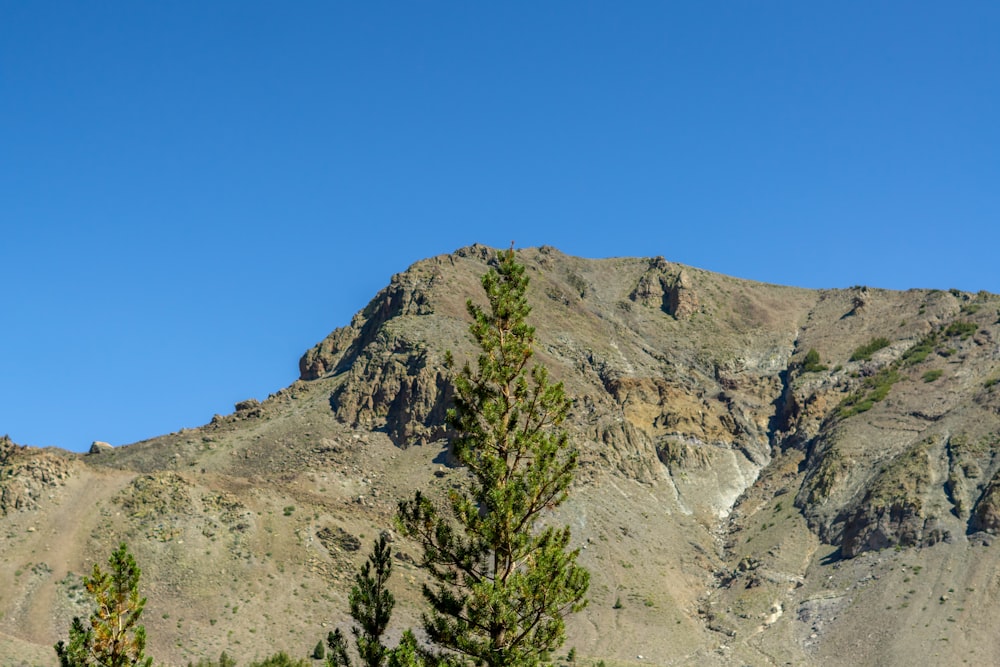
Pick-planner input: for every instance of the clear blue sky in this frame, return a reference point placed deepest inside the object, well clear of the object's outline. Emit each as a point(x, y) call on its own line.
point(194, 193)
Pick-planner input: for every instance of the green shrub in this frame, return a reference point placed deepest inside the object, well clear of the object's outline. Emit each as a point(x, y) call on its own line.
point(865, 352)
point(930, 376)
point(962, 329)
point(224, 661)
point(280, 659)
point(811, 363)
point(920, 350)
point(873, 390)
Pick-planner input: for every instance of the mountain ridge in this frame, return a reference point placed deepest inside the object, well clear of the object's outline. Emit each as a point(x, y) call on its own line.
point(710, 454)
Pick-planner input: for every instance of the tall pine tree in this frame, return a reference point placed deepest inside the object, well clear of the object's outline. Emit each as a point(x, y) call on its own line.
point(502, 583)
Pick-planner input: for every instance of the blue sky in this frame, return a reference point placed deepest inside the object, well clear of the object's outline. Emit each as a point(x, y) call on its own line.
point(192, 193)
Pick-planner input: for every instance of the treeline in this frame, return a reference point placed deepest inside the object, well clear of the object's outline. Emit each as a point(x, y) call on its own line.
point(502, 583)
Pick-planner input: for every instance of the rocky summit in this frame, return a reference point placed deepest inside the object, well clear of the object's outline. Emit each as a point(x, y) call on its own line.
point(769, 476)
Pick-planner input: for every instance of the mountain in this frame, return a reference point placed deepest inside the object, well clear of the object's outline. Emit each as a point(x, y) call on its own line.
point(769, 475)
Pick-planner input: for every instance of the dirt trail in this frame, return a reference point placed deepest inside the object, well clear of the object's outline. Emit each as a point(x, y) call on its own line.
point(61, 535)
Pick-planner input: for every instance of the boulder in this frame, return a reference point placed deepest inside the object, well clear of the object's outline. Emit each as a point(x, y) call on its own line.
point(99, 446)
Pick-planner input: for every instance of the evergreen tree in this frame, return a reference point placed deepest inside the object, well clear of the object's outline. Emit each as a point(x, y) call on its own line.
point(371, 605)
point(502, 583)
point(114, 638)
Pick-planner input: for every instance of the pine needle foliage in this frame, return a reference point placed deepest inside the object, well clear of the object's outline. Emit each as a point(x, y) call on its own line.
point(502, 582)
point(114, 637)
point(371, 604)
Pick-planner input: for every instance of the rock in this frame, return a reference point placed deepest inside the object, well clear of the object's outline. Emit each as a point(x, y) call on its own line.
point(249, 404)
point(26, 475)
point(249, 409)
point(986, 514)
point(667, 288)
point(682, 299)
point(99, 446)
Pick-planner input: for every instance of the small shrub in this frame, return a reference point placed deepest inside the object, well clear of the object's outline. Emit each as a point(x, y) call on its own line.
point(617, 604)
point(873, 390)
point(920, 350)
point(280, 659)
point(288, 510)
point(811, 363)
point(930, 376)
point(865, 352)
point(962, 329)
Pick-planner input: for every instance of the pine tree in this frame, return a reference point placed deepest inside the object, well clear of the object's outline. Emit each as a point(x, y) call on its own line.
point(114, 638)
point(319, 652)
point(371, 605)
point(502, 583)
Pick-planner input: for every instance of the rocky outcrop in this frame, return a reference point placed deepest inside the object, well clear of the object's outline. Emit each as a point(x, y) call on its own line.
point(28, 476)
point(682, 299)
point(405, 295)
point(98, 446)
point(986, 514)
point(668, 288)
point(394, 387)
point(893, 510)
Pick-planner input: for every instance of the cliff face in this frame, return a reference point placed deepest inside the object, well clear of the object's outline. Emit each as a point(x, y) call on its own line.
point(700, 379)
point(752, 456)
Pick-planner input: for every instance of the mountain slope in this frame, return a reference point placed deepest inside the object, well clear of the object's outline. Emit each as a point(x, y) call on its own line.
point(736, 503)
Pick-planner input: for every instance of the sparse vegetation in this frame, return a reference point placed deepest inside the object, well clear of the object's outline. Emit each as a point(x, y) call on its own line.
point(873, 390)
point(812, 364)
point(962, 329)
point(223, 661)
point(865, 352)
point(920, 350)
point(932, 375)
point(280, 659)
point(970, 308)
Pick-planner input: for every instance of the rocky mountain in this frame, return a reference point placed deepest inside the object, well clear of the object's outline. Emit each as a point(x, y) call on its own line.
point(770, 475)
